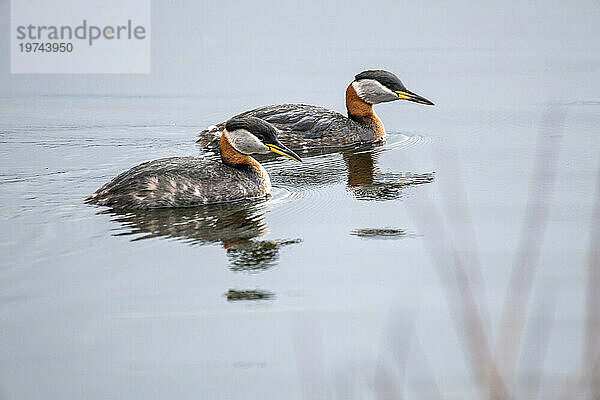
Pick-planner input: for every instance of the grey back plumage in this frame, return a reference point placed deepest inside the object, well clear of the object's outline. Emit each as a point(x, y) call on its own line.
point(179, 182)
point(301, 127)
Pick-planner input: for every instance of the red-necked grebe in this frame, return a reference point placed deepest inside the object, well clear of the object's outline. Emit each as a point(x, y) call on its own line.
point(190, 181)
point(305, 127)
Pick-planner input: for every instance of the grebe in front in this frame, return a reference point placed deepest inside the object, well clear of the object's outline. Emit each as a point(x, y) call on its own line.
point(190, 181)
point(306, 127)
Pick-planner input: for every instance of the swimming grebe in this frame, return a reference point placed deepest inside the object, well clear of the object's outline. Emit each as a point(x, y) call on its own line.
point(190, 181)
point(305, 127)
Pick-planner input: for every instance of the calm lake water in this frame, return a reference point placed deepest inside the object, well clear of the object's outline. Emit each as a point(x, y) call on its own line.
point(457, 260)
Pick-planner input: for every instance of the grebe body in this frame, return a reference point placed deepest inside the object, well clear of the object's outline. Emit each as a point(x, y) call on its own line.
point(191, 181)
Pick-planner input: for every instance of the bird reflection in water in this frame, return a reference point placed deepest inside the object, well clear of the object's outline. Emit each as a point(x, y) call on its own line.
point(252, 294)
point(236, 226)
point(381, 233)
point(358, 165)
point(367, 182)
point(364, 180)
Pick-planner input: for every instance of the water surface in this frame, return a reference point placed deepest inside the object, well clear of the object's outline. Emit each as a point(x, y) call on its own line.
point(404, 270)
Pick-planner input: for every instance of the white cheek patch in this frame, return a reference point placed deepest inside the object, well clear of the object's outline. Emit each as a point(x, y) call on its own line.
point(245, 142)
point(373, 92)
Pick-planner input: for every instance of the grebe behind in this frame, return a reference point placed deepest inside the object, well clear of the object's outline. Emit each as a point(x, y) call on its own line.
point(304, 127)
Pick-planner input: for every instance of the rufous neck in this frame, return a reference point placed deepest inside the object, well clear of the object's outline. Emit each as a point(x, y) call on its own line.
point(234, 158)
point(361, 111)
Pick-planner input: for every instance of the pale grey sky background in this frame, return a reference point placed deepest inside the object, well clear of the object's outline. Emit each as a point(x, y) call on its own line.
point(212, 48)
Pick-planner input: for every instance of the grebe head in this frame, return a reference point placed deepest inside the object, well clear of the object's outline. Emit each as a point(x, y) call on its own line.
point(250, 135)
point(379, 86)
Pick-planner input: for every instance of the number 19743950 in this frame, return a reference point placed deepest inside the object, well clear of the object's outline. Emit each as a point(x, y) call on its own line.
point(36, 47)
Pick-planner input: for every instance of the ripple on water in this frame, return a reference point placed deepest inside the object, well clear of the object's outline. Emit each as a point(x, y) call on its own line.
point(308, 185)
point(396, 141)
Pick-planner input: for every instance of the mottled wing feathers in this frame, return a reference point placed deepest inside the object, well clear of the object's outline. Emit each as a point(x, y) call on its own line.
point(176, 182)
point(301, 126)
